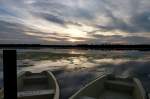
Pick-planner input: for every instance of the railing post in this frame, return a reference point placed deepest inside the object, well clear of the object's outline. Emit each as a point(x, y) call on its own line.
point(10, 74)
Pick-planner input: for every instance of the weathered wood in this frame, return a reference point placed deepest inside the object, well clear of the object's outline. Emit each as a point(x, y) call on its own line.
point(33, 93)
point(10, 74)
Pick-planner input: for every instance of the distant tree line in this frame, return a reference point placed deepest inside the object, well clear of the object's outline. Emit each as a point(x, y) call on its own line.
point(141, 47)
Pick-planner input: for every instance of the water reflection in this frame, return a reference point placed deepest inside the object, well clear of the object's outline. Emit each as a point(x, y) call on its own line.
point(75, 68)
point(73, 62)
point(69, 63)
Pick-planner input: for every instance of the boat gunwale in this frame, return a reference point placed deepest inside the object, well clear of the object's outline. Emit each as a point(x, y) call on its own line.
point(57, 90)
point(140, 86)
point(90, 83)
point(135, 80)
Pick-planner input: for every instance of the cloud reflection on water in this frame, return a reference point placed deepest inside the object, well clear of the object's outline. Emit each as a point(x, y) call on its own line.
point(72, 62)
point(83, 68)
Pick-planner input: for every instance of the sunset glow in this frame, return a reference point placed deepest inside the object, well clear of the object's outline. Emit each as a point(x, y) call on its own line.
point(74, 22)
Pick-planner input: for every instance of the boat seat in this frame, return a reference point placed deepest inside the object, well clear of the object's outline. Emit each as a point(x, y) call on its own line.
point(119, 85)
point(87, 97)
point(35, 93)
point(35, 77)
point(115, 95)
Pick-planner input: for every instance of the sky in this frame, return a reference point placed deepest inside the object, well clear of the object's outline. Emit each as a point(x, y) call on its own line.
point(74, 21)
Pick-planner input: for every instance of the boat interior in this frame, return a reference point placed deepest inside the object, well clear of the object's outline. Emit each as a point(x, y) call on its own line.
point(111, 88)
point(35, 86)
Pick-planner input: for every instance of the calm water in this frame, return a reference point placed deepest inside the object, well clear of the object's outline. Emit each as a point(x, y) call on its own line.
point(74, 68)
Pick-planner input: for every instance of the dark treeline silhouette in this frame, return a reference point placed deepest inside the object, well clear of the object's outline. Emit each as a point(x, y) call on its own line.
point(141, 47)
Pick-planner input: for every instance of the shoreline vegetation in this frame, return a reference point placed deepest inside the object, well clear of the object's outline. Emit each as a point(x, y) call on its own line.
point(56, 56)
point(27, 59)
point(140, 47)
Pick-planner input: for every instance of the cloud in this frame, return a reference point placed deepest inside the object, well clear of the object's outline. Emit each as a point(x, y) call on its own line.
point(142, 22)
point(100, 39)
point(52, 18)
point(81, 20)
point(137, 24)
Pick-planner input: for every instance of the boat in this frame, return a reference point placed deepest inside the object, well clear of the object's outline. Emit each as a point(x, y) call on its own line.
point(112, 87)
point(42, 85)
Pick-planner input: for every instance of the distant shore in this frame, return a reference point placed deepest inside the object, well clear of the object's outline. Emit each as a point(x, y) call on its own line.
point(140, 47)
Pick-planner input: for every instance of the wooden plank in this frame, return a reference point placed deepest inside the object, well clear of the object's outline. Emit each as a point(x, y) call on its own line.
point(36, 77)
point(10, 74)
point(37, 92)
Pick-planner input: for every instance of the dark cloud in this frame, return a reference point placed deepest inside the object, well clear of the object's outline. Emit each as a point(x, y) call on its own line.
point(6, 11)
point(52, 18)
point(138, 16)
point(137, 40)
point(56, 19)
point(11, 29)
point(61, 9)
point(83, 13)
point(142, 22)
point(15, 33)
point(99, 39)
point(136, 24)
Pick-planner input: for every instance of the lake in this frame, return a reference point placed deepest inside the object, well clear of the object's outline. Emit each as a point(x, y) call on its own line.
point(74, 68)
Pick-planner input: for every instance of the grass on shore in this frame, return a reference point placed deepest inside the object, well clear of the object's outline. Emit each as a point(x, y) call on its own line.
point(56, 56)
